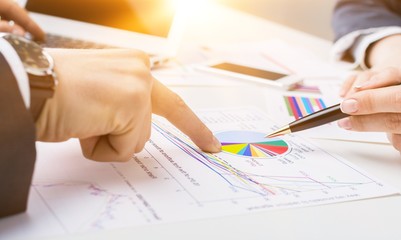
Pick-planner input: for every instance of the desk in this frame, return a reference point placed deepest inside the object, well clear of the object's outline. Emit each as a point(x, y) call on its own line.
point(368, 219)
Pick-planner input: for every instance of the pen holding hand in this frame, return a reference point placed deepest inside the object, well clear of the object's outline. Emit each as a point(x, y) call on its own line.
point(371, 105)
point(376, 106)
point(365, 97)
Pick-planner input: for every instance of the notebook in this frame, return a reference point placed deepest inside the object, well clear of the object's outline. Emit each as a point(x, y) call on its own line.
point(154, 26)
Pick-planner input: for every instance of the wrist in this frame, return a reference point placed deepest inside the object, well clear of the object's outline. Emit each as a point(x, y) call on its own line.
point(385, 53)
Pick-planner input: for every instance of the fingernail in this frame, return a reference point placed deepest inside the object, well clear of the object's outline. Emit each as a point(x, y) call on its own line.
point(349, 106)
point(345, 124)
point(368, 83)
point(361, 85)
point(217, 143)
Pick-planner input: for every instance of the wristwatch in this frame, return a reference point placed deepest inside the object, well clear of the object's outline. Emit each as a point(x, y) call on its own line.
point(39, 66)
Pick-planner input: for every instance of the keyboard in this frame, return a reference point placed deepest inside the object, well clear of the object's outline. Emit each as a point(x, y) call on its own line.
point(57, 41)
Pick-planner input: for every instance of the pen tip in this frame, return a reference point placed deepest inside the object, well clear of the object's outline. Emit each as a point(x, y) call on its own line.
point(279, 132)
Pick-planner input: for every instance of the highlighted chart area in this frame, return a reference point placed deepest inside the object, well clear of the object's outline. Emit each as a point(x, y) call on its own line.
point(299, 107)
point(251, 144)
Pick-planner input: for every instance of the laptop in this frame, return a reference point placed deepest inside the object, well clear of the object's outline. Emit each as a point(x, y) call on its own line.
point(153, 26)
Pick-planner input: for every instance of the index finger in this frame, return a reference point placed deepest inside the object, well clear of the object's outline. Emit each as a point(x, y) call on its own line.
point(12, 11)
point(383, 78)
point(360, 79)
point(169, 105)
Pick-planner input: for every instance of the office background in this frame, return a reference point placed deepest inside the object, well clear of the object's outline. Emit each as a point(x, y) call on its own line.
point(310, 16)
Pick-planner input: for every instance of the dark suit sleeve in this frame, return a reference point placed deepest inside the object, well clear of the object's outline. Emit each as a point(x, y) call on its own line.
point(17, 145)
point(352, 15)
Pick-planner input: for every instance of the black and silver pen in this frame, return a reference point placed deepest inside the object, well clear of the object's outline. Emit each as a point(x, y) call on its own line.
point(315, 119)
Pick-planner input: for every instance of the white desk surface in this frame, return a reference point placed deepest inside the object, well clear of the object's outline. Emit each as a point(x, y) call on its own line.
point(368, 219)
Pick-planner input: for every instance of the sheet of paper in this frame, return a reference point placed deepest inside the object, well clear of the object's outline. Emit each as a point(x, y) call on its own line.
point(187, 76)
point(279, 55)
point(274, 55)
point(178, 74)
point(300, 60)
point(171, 180)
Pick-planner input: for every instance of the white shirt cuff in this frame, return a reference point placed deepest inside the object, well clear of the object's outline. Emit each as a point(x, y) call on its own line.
point(18, 70)
point(356, 43)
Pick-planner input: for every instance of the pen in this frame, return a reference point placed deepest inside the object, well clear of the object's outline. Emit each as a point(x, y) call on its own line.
point(312, 120)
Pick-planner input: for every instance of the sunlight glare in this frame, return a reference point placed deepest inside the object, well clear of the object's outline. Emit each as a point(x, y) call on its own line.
point(190, 6)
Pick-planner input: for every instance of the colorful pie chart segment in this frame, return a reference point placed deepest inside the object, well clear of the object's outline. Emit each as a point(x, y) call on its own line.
point(251, 144)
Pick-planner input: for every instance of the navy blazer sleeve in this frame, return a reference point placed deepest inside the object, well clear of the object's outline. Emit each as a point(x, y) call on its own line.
point(17, 144)
point(352, 15)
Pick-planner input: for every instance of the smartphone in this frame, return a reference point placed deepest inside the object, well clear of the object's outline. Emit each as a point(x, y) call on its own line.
point(242, 72)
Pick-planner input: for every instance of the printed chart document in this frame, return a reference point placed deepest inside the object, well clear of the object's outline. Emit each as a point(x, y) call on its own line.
point(171, 180)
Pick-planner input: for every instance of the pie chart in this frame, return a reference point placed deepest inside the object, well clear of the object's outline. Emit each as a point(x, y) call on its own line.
point(251, 144)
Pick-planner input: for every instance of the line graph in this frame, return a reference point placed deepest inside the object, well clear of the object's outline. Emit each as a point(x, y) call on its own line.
point(260, 184)
point(102, 206)
point(173, 180)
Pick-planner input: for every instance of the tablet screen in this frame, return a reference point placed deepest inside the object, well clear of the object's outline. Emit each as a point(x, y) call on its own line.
point(254, 72)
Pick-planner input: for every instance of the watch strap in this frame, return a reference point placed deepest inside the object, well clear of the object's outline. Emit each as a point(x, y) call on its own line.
point(42, 88)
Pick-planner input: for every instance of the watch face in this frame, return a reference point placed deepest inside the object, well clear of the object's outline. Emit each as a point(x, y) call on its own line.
point(31, 54)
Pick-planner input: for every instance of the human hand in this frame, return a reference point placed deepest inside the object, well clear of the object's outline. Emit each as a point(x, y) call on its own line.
point(384, 58)
point(376, 108)
point(105, 98)
point(370, 79)
point(15, 19)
